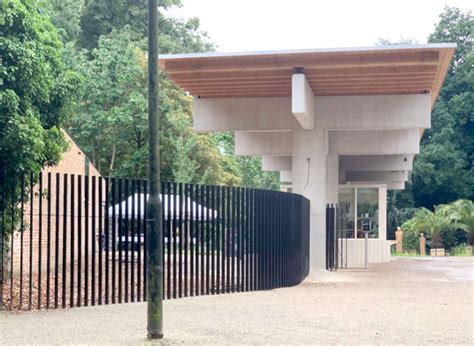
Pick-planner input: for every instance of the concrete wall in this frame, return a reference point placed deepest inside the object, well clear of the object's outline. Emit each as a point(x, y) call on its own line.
point(378, 251)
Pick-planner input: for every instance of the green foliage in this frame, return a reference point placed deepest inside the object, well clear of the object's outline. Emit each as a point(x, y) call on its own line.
point(36, 91)
point(35, 96)
point(448, 226)
point(461, 250)
point(110, 123)
point(444, 169)
point(411, 236)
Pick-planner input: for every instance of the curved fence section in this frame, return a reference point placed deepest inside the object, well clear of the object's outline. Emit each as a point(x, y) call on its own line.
point(72, 240)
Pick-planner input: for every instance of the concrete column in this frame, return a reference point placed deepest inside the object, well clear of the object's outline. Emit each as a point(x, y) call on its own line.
point(309, 179)
point(383, 213)
point(332, 178)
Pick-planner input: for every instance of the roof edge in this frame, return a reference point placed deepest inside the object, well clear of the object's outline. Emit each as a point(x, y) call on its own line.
point(310, 50)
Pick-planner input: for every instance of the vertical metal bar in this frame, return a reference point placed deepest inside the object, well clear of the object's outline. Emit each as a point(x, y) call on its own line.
point(202, 250)
point(64, 259)
point(22, 230)
point(186, 237)
point(93, 241)
point(168, 237)
point(12, 236)
point(30, 271)
point(207, 223)
point(79, 238)
point(173, 228)
point(114, 242)
point(247, 239)
point(56, 242)
point(86, 240)
point(213, 239)
point(40, 235)
point(145, 242)
point(138, 244)
point(107, 240)
point(72, 244)
point(234, 225)
point(3, 239)
point(237, 235)
point(192, 239)
point(101, 239)
point(218, 239)
point(251, 241)
point(228, 235)
point(120, 240)
point(132, 246)
point(126, 233)
point(197, 224)
point(180, 240)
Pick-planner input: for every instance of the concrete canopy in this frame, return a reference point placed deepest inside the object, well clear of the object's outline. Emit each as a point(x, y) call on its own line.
point(317, 114)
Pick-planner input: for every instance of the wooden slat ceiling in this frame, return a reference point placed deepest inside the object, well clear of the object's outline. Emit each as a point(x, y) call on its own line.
point(414, 69)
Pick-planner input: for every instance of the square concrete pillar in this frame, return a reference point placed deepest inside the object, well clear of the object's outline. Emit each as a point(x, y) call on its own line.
point(309, 179)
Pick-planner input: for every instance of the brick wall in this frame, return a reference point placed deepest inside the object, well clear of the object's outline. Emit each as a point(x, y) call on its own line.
point(35, 221)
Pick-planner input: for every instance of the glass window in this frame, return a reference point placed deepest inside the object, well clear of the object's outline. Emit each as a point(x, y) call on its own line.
point(368, 212)
point(347, 205)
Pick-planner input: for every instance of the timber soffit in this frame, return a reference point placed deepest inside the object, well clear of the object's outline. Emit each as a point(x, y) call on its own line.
point(405, 69)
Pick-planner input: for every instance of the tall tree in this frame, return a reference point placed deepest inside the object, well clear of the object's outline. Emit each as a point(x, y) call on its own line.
point(36, 92)
point(35, 95)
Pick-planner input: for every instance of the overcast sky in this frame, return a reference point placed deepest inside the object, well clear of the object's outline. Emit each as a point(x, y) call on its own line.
point(252, 25)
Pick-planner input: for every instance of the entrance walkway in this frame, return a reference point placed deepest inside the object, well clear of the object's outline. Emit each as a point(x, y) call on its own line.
point(409, 300)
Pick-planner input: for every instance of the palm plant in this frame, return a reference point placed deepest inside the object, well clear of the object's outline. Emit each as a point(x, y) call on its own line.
point(461, 213)
point(433, 223)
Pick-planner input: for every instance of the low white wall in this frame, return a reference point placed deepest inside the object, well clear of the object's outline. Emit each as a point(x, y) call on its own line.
point(378, 252)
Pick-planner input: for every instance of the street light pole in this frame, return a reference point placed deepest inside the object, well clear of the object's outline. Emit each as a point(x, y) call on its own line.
point(154, 224)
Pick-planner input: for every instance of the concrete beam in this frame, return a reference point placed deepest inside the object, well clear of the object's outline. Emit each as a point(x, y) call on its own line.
point(396, 185)
point(374, 142)
point(276, 163)
point(286, 177)
point(309, 111)
point(302, 101)
point(376, 163)
point(263, 143)
point(243, 114)
point(373, 112)
point(361, 176)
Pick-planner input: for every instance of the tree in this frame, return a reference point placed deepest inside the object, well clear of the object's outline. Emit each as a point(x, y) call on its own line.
point(444, 171)
point(461, 213)
point(433, 224)
point(35, 95)
point(36, 90)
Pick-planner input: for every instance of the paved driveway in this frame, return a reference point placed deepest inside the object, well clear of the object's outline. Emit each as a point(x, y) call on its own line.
point(408, 301)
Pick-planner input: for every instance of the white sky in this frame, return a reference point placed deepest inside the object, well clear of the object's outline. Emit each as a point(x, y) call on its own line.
point(253, 25)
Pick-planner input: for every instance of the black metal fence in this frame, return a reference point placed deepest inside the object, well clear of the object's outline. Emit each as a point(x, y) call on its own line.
point(337, 230)
point(81, 240)
point(331, 238)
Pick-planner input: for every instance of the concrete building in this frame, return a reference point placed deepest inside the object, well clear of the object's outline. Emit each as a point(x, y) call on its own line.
point(341, 125)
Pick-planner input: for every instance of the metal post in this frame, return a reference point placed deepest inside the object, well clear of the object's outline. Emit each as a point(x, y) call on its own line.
point(366, 248)
point(154, 222)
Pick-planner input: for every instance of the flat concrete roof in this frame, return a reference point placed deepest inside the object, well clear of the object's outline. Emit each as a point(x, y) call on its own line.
point(396, 69)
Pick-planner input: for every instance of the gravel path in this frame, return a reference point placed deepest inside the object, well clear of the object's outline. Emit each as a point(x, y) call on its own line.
point(406, 301)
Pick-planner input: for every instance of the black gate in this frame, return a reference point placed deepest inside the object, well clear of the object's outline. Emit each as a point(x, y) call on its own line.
point(72, 240)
